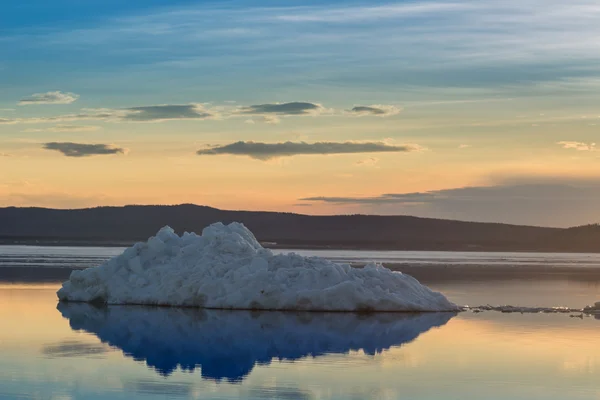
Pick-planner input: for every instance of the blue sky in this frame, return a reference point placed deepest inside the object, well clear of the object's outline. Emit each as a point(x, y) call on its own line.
point(487, 92)
point(169, 50)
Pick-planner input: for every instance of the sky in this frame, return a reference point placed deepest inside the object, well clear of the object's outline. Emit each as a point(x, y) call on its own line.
point(474, 110)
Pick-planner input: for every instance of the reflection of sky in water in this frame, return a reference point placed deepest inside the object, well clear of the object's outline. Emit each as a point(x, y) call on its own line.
point(488, 355)
point(525, 292)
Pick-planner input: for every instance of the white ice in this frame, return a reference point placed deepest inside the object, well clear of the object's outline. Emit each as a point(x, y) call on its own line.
point(595, 309)
point(226, 268)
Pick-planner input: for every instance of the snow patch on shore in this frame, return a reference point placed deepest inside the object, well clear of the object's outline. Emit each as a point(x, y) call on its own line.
point(226, 268)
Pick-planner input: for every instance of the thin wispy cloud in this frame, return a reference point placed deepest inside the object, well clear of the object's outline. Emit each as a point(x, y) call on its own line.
point(70, 149)
point(99, 114)
point(401, 198)
point(65, 128)
point(352, 14)
point(368, 162)
point(56, 97)
point(271, 119)
point(268, 151)
point(469, 33)
point(159, 113)
point(579, 146)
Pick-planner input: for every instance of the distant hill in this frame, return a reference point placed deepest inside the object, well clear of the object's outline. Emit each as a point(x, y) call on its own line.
point(124, 225)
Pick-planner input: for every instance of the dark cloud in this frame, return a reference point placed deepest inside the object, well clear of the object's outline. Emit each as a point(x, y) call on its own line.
point(543, 201)
point(368, 110)
point(57, 97)
point(165, 112)
point(266, 151)
point(70, 149)
point(294, 108)
point(375, 110)
point(383, 199)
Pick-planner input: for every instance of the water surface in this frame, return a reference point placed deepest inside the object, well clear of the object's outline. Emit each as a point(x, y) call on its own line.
point(81, 352)
point(81, 257)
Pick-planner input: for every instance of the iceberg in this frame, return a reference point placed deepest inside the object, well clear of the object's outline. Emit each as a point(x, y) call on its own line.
point(227, 268)
point(227, 345)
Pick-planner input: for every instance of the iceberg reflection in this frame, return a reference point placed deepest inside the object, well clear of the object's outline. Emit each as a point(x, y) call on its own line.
point(227, 344)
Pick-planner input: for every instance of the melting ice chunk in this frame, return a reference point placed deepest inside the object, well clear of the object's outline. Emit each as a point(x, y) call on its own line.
point(226, 268)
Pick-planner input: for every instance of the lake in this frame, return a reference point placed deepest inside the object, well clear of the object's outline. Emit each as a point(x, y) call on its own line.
point(77, 257)
point(77, 351)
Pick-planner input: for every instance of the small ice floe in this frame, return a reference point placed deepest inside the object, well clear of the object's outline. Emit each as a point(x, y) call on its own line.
point(579, 312)
point(227, 268)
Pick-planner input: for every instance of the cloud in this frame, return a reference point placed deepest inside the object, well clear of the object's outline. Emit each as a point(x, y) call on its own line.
point(549, 201)
point(157, 113)
point(377, 110)
point(464, 146)
point(293, 108)
point(267, 151)
point(165, 113)
point(57, 97)
point(393, 198)
point(65, 128)
point(271, 120)
point(4, 154)
point(368, 162)
point(354, 14)
point(7, 109)
point(579, 146)
point(70, 149)
point(86, 114)
point(267, 119)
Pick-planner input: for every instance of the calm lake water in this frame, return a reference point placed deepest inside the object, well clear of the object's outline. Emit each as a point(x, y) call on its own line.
point(77, 257)
point(63, 352)
point(81, 352)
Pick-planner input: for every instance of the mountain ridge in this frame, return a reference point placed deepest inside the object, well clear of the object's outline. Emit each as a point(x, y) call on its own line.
point(127, 224)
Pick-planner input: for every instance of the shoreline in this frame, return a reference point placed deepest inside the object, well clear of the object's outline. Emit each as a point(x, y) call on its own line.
point(316, 247)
